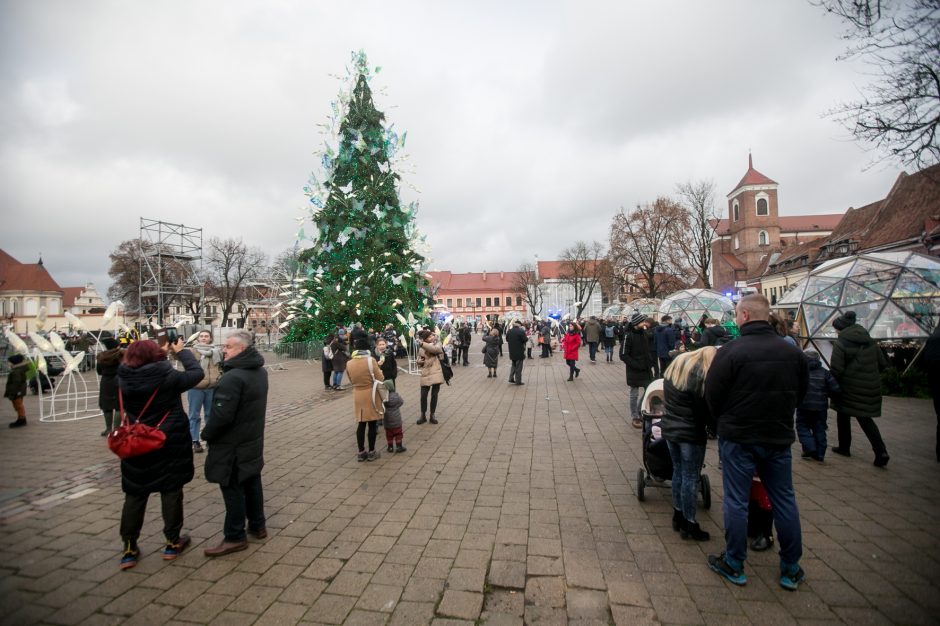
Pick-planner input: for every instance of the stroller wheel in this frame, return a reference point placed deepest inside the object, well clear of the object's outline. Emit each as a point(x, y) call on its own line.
point(706, 487)
point(640, 484)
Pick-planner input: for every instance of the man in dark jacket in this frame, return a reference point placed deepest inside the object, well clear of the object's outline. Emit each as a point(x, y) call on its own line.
point(236, 442)
point(931, 361)
point(752, 388)
point(713, 335)
point(665, 336)
point(857, 362)
point(634, 351)
point(517, 339)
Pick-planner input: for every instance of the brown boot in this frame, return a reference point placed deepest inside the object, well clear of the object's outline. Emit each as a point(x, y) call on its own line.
point(226, 547)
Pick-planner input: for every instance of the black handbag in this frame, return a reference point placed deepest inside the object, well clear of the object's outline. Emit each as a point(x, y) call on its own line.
point(446, 369)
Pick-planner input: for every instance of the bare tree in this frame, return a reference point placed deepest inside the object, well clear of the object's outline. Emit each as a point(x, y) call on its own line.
point(643, 245)
point(125, 272)
point(899, 111)
point(582, 265)
point(696, 243)
point(230, 264)
point(527, 282)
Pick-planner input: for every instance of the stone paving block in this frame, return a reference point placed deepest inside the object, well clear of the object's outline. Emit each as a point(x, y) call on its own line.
point(445, 548)
point(545, 616)
point(630, 593)
point(349, 583)
point(517, 536)
point(302, 591)
point(233, 618)
point(466, 579)
point(434, 567)
point(504, 602)
point(545, 566)
point(544, 547)
point(412, 614)
point(360, 617)
point(282, 614)
point(509, 552)
point(467, 557)
point(382, 598)
point(675, 610)
point(133, 601)
point(420, 589)
point(330, 609)
point(323, 568)
point(449, 621)
point(405, 555)
point(151, 616)
point(509, 574)
point(204, 608)
point(547, 591)
point(233, 583)
point(364, 562)
point(460, 604)
point(279, 575)
point(255, 599)
point(318, 539)
point(587, 604)
point(634, 616)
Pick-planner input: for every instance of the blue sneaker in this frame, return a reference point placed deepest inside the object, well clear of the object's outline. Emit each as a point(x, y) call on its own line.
point(720, 565)
point(130, 556)
point(174, 548)
point(791, 577)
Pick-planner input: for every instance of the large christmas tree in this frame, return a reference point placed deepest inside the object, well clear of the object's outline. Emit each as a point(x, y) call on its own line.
point(363, 262)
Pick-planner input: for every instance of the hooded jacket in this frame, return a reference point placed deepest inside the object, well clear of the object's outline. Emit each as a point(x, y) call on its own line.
point(16, 380)
point(822, 386)
point(235, 433)
point(714, 336)
point(856, 363)
point(634, 351)
point(392, 417)
point(666, 337)
point(754, 385)
point(592, 331)
point(170, 467)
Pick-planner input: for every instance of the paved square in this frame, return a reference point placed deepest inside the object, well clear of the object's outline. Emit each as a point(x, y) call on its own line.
point(519, 507)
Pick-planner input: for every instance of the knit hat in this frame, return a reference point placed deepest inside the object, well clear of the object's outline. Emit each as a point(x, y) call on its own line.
point(109, 343)
point(389, 384)
point(15, 359)
point(637, 318)
point(844, 321)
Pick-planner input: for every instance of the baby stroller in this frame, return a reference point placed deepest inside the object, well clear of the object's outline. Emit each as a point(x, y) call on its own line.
point(657, 464)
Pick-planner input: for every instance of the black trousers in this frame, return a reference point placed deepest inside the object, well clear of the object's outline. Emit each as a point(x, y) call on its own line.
point(135, 506)
point(361, 435)
point(328, 379)
point(464, 355)
point(434, 389)
point(844, 424)
point(243, 498)
point(515, 371)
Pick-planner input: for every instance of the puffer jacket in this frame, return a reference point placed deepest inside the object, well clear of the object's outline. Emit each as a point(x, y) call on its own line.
point(857, 362)
point(822, 386)
point(392, 417)
point(236, 431)
point(16, 381)
point(170, 467)
point(430, 363)
point(107, 367)
point(714, 336)
point(634, 351)
point(570, 343)
point(687, 416)
point(592, 331)
point(665, 338)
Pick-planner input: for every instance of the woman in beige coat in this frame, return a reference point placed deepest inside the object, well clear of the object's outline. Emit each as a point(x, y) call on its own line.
point(432, 376)
point(367, 403)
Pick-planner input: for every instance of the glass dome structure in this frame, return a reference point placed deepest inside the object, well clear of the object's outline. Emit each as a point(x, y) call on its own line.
point(690, 304)
point(617, 310)
point(895, 295)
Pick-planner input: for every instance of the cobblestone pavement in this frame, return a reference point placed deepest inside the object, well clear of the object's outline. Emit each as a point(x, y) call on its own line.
point(519, 507)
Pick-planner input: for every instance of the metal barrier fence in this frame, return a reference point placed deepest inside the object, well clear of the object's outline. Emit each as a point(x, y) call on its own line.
point(277, 354)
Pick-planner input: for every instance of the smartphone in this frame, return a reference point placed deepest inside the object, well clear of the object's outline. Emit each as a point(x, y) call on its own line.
point(167, 336)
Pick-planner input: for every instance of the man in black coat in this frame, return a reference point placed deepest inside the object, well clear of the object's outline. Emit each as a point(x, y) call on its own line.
point(235, 435)
point(752, 388)
point(635, 353)
point(517, 340)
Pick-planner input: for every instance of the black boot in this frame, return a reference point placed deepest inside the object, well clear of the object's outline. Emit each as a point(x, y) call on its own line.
point(20, 421)
point(677, 519)
point(691, 530)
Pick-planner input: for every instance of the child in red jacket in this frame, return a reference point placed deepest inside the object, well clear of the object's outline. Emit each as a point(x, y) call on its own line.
point(570, 343)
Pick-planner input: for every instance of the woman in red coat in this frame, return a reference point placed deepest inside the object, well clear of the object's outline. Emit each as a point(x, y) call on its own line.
point(570, 344)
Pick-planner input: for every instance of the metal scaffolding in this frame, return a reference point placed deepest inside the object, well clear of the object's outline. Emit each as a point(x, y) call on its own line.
point(170, 266)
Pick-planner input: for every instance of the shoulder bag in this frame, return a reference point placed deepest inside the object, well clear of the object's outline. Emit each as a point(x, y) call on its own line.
point(377, 389)
point(134, 439)
point(446, 369)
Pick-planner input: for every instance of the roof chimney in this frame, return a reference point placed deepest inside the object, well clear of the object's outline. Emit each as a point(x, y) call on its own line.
point(501, 276)
point(484, 275)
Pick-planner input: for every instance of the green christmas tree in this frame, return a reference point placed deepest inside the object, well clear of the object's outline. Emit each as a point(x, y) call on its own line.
point(362, 263)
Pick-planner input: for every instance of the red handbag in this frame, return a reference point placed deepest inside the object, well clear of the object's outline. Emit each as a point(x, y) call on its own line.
point(134, 439)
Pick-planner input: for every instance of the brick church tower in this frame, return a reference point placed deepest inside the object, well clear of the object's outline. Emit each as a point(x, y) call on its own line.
point(754, 224)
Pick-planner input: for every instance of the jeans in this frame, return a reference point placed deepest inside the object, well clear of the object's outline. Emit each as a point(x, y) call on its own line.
point(844, 424)
point(635, 394)
point(610, 352)
point(198, 399)
point(135, 505)
point(434, 389)
point(361, 435)
point(811, 430)
point(592, 349)
point(515, 371)
point(243, 498)
point(687, 459)
point(774, 466)
point(338, 379)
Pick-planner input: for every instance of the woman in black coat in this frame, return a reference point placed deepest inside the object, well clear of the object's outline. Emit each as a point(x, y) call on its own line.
point(340, 357)
point(326, 364)
point(106, 366)
point(147, 376)
point(635, 353)
point(684, 426)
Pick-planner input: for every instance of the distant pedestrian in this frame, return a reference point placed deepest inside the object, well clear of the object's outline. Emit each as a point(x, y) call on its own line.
point(592, 335)
point(326, 362)
point(492, 348)
point(570, 344)
point(394, 429)
point(200, 396)
point(857, 363)
point(340, 356)
point(609, 339)
point(634, 352)
point(106, 366)
point(666, 339)
point(15, 389)
point(932, 363)
point(812, 413)
point(432, 375)
point(385, 356)
point(516, 340)
point(364, 372)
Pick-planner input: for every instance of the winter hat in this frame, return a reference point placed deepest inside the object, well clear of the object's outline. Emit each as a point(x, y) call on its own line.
point(637, 318)
point(15, 359)
point(109, 343)
point(843, 322)
point(390, 385)
point(811, 354)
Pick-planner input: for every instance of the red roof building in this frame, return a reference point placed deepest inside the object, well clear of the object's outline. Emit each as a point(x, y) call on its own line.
point(478, 295)
point(24, 287)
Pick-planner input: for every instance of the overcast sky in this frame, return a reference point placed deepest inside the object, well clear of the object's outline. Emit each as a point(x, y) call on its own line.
point(529, 123)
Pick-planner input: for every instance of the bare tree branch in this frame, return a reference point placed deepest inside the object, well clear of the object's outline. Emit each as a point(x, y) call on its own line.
point(528, 282)
point(582, 265)
point(696, 243)
point(230, 263)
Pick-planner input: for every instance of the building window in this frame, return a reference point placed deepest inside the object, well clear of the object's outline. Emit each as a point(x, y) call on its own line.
point(459, 302)
point(450, 303)
point(496, 301)
point(762, 207)
point(489, 302)
point(440, 301)
point(479, 301)
point(736, 209)
point(737, 244)
point(762, 238)
point(518, 300)
point(32, 307)
point(54, 307)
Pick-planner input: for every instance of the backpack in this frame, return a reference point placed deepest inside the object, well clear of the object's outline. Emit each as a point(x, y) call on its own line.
point(609, 332)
